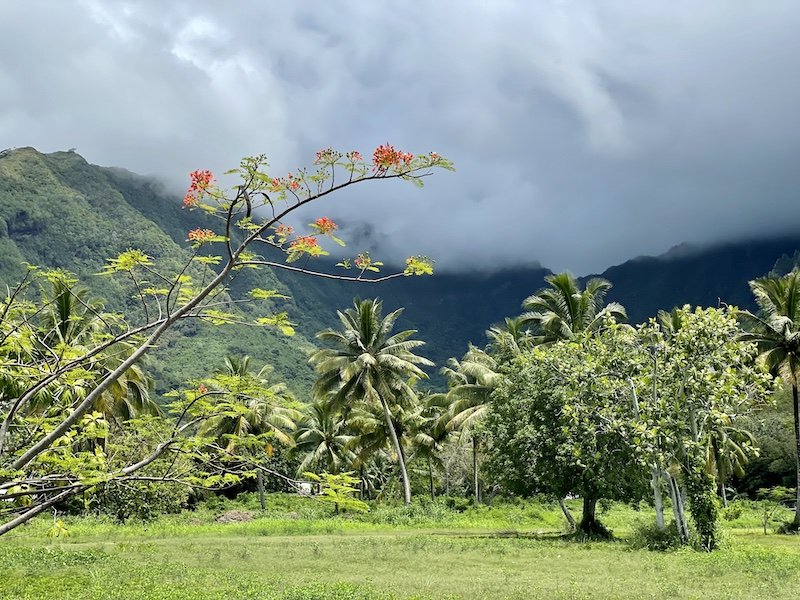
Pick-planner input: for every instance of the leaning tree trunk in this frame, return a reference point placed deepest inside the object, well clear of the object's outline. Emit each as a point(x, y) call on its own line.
point(475, 469)
point(396, 445)
point(797, 453)
point(567, 515)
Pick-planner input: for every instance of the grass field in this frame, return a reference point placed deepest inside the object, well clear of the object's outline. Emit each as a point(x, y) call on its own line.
point(507, 552)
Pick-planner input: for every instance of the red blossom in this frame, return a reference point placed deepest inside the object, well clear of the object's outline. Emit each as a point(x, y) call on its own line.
point(325, 225)
point(355, 156)
point(200, 235)
point(201, 389)
point(385, 157)
point(284, 230)
point(303, 243)
point(199, 182)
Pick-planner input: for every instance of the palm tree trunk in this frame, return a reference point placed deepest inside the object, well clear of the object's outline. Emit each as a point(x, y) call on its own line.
point(430, 478)
point(475, 469)
point(400, 460)
point(260, 484)
point(797, 449)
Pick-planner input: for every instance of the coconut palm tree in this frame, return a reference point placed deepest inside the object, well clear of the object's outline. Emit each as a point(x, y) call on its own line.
point(471, 382)
point(369, 365)
point(322, 440)
point(560, 311)
point(252, 405)
point(73, 322)
point(509, 339)
point(776, 331)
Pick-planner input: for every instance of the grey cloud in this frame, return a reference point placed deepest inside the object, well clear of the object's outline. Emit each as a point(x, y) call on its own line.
point(584, 133)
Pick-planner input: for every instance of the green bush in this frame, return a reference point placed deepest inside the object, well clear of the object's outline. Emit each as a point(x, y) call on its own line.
point(646, 536)
point(733, 511)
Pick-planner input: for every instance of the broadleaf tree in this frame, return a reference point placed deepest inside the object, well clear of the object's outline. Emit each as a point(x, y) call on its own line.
point(254, 227)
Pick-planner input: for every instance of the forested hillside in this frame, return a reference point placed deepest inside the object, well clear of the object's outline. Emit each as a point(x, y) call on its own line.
point(57, 210)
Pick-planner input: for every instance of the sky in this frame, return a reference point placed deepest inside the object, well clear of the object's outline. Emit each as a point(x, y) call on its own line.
point(584, 133)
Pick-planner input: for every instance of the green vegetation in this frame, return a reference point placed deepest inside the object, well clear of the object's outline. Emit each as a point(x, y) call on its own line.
point(568, 407)
point(296, 551)
point(58, 211)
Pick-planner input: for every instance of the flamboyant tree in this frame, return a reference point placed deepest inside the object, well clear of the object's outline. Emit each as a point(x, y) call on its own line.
point(36, 457)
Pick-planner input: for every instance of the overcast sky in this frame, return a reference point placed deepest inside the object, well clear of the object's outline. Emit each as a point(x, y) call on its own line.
point(584, 132)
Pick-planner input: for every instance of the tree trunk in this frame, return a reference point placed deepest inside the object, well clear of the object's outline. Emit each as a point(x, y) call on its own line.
point(658, 500)
point(39, 508)
point(567, 515)
point(475, 469)
point(678, 508)
point(396, 445)
point(430, 478)
point(797, 449)
point(260, 483)
point(724, 495)
point(589, 524)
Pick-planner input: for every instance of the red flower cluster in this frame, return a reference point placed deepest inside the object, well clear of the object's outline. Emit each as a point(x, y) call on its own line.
point(385, 156)
point(201, 389)
point(303, 243)
point(278, 183)
point(325, 226)
point(284, 231)
point(200, 181)
point(201, 235)
point(355, 156)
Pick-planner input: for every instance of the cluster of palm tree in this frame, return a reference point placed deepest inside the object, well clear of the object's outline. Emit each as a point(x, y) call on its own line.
point(71, 323)
point(368, 414)
point(776, 331)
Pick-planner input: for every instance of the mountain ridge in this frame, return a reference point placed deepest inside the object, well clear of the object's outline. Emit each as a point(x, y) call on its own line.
point(58, 210)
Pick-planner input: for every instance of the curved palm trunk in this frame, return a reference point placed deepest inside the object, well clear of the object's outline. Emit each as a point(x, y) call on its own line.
point(396, 444)
point(797, 450)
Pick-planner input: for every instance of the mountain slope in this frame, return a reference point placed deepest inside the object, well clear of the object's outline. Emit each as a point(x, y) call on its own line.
point(57, 210)
point(697, 276)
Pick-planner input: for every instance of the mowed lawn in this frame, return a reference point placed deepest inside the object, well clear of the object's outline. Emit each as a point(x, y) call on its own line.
point(327, 559)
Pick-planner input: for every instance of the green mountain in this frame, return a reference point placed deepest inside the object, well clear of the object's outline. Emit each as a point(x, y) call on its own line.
point(57, 210)
point(700, 276)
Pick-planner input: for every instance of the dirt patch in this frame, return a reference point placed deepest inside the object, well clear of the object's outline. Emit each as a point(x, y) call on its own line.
point(235, 516)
